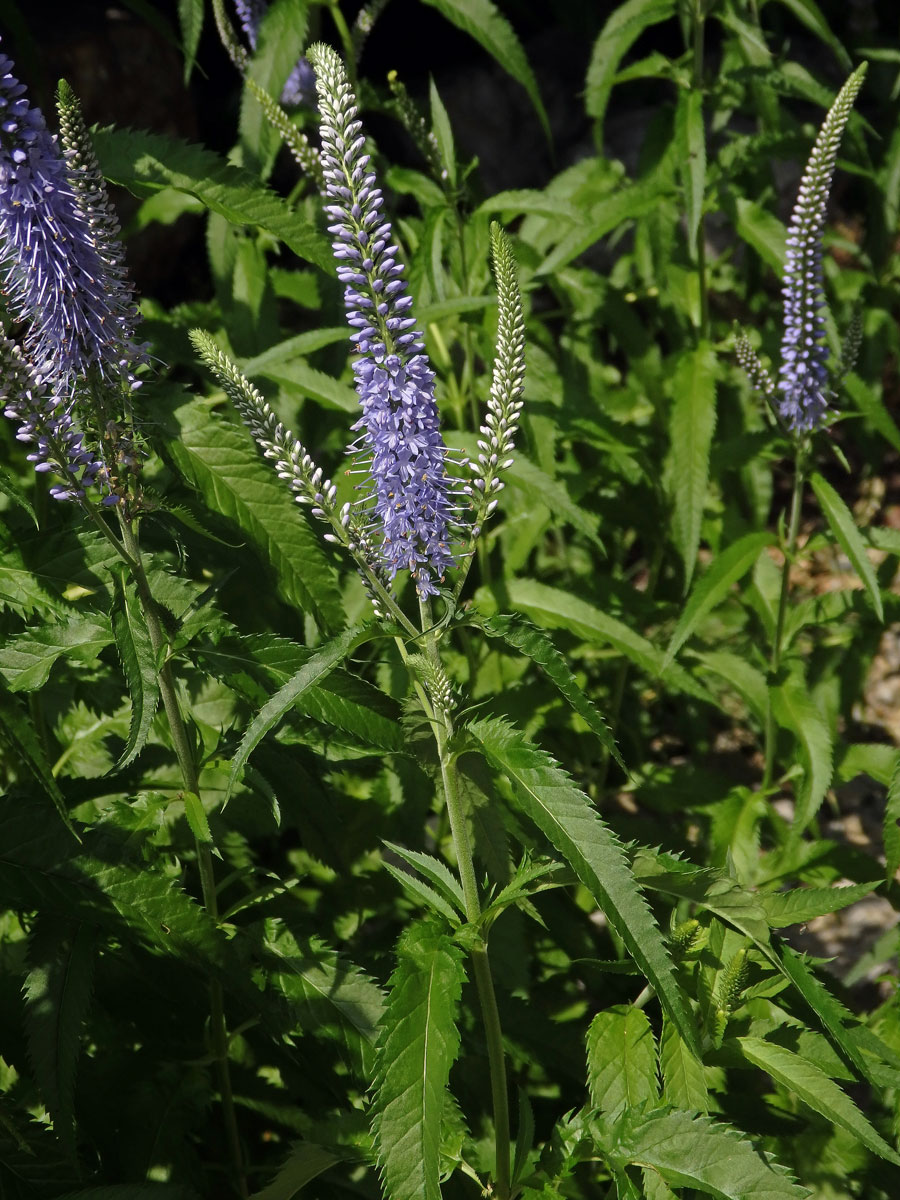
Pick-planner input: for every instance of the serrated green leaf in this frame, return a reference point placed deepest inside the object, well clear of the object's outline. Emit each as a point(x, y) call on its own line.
point(297, 376)
point(324, 660)
point(715, 583)
point(145, 163)
point(195, 814)
point(684, 1082)
point(305, 1162)
point(868, 399)
point(565, 816)
point(23, 744)
point(540, 487)
point(57, 994)
point(190, 18)
point(535, 645)
point(622, 29)
point(554, 608)
point(42, 868)
point(26, 660)
point(325, 992)
point(761, 230)
point(418, 1047)
point(691, 427)
point(424, 893)
point(691, 139)
point(795, 710)
point(139, 664)
point(483, 22)
point(434, 870)
point(696, 1152)
point(621, 1055)
point(815, 1089)
point(627, 203)
point(843, 527)
point(805, 904)
point(220, 459)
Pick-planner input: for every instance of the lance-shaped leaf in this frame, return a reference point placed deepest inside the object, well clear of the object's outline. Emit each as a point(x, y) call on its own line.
point(564, 814)
point(220, 460)
point(712, 587)
point(684, 1082)
point(840, 519)
point(815, 1089)
point(138, 663)
point(695, 1152)
point(57, 997)
point(325, 659)
point(418, 1047)
point(26, 660)
point(892, 825)
point(795, 710)
point(145, 163)
point(535, 645)
point(690, 433)
point(305, 1162)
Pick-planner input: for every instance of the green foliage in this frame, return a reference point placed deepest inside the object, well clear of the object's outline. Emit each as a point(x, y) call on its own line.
point(303, 900)
point(419, 1046)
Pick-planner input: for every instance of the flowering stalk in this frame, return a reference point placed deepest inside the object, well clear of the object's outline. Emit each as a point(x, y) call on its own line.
point(54, 278)
point(497, 442)
point(400, 447)
point(800, 398)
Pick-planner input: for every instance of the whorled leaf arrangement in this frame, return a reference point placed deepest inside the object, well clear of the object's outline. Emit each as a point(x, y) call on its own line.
point(803, 387)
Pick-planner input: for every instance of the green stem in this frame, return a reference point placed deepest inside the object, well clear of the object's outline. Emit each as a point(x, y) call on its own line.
point(443, 733)
point(191, 780)
point(699, 25)
point(346, 40)
point(778, 638)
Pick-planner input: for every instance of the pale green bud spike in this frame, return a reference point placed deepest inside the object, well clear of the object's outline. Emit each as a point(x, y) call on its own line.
point(749, 361)
point(436, 680)
point(850, 348)
point(414, 124)
point(229, 39)
point(305, 155)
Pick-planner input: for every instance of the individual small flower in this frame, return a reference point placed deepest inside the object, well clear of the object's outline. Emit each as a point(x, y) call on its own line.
point(54, 279)
point(803, 384)
point(46, 422)
point(400, 444)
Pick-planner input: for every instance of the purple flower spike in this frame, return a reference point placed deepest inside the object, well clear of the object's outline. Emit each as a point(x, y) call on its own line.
point(409, 496)
point(804, 385)
point(45, 421)
point(53, 277)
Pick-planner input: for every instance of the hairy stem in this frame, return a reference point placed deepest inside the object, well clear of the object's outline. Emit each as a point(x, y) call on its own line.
point(191, 782)
point(443, 733)
point(775, 658)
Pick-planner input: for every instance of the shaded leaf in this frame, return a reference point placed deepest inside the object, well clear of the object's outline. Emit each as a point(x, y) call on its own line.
point(565, 816)
point(418, 1047)
point(840, 519)
point(690, 434)
point(139, 664)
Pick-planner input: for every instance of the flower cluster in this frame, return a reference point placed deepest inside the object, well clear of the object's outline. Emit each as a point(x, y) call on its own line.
point(63, 277)
point(497, 440)
point(53, 276)
point(400, 444)
point(122, 353)
point(45, 422)
point(803, 384)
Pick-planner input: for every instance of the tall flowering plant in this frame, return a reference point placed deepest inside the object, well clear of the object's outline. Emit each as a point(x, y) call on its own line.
point(802, 393)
